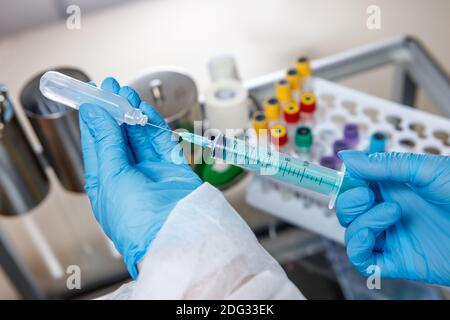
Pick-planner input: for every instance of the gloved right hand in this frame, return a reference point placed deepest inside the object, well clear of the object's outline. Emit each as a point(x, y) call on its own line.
point(131, 178)
point(402, 223)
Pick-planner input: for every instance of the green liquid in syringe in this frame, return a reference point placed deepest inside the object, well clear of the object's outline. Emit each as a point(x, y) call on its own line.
point(281, 166)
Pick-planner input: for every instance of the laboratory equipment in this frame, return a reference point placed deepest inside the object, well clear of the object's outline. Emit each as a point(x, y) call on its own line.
point(293, 78)
point(272, 109)
point(72, 93)
point(283, 91)
point(279, 166)
point(291, 112)
point(260, 123)
point(307, 104)
point(351, 134)
point(339, 145)
point(172, 91)
point(312, 210)
point(57, 129)
point(303, 142)
point(329, 162)
point(231, 150)
point(227, 106)
point(377, 142)
point(23, 182)
point(220, 174)
point(303, 67)
point(223, 67)
point(279, 136)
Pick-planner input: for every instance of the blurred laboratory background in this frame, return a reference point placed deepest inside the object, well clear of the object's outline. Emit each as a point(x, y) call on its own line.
point(46, 223)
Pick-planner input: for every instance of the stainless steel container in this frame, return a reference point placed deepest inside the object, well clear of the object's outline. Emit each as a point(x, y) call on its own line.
point(57, 129)
point(23, 183)
point(172, 92)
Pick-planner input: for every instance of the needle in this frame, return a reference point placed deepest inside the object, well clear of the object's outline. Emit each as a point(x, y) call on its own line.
point(162, 128)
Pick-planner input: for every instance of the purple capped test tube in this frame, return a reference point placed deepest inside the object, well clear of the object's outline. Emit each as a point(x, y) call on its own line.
point(339, 145)
point(351, 135)
point(329, 162)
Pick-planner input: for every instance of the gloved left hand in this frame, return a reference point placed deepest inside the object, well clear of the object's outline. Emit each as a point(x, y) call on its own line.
point(402, 222)
point(131, 178)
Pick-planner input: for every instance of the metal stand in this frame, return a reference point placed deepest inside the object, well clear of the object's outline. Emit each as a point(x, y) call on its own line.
point(17, 272)
point(416, 69)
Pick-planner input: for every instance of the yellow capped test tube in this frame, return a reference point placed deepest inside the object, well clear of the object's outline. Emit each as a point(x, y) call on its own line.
point(303, 67)
point(283, 91)
point(272, 109)
point(293, 78)
point(260, 122)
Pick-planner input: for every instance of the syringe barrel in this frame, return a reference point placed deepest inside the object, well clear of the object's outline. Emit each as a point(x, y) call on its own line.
point(72, 93)
point(282, 167)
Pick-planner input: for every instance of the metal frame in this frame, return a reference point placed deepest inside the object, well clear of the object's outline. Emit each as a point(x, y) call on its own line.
point(416, 68)
point(18, 273)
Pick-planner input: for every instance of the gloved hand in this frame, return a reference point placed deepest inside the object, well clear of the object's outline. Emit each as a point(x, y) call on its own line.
point(401, 223)
point(131, 179)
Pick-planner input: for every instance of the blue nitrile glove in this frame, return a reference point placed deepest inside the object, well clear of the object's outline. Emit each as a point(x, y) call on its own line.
point(401, 224)
point(131, 179)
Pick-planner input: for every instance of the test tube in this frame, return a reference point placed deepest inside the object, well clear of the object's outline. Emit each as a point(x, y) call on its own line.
point(279, 136)
point(283, 91)
point(260, 123)
point(339, 145)
point(303, 67)
point(329, 162)
point(377, 142)
point(351, 134)
point(291, 113)
point(308, 107)
point(293, 78)
point(272, 109)
point(303, 142)
point(295, 81)
point(72, 93)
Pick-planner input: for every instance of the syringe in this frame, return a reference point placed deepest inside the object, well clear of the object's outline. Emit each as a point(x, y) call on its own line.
point(73, 93)
point(277, 165)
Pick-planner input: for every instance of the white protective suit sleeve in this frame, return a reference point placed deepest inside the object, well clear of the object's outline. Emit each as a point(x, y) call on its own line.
point(205, 250)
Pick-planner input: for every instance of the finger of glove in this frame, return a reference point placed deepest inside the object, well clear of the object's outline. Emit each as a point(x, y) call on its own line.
point(111, 85)
point(165, 143)
point(89, 160)
point(377, 220)
point(352, 203)
point(360, 250)
point(416, 169)
point(138, 136)
point(110, 145)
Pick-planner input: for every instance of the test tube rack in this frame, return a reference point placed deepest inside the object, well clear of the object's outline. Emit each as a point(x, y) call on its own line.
point(407, 130)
